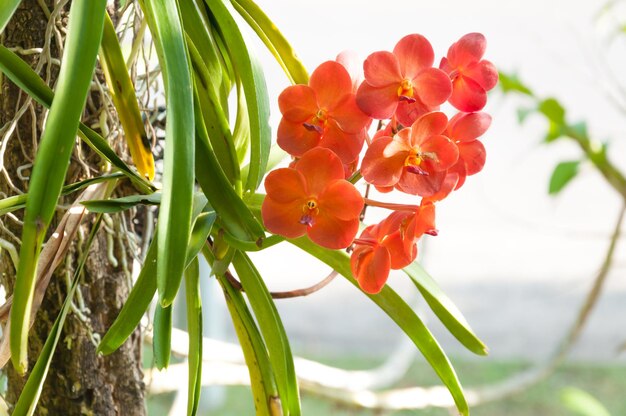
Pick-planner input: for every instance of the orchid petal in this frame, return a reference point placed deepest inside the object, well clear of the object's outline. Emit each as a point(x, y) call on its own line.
point(432, 86)
point(331, 82)
point(484, 73)
point(467, 95)
point(382, 69)
point(371, 268)
point(445, 151)
point(285, 185)
point(349, 116)
point(295, 139)
point(414, 53)
point(381, 168)
point(467, 50)
point(331, 232)
point(283, 219)
point(342, 200)
point(319, 166)
point(430, 124)
point(346, 146)
point(422, 185)
point(377, 102)
point(467, 127)
point(297, 103)
point(473, 155)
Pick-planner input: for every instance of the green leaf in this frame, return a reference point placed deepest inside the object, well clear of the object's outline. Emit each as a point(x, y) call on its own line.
point(122, 92)
point(27, 402)
point(579, 130)
point(555, 131)
point(273, 332)
point(214, 117)
point(178, 172)
point(553, 110)
point(582, 403)
point(262, 382)
point(28, 80)
point(7, 10)
point(162, 340)
point(123, 203)
point(511, 83)
point(562, 175)
point(523, 113)
point(402, 314)
point(16, 202)
point(251, 76)
point(144, 288)
point(445, 310)
point(194, 328)
point(233, 213)
point(51, 162)
point(275, 42)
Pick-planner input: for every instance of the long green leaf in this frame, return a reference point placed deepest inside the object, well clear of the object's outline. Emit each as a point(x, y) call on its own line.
point(275, 42)
point(194, 327)
point(445, 310)
point(27, 79)
point(7, 10)
point(402, 314)
point(144, 288)
point(124, 98)
point(251, 76)
point(235, 216)
point(162, 340)
point(51, 162)
point(214, 117)
point(273, 332)
point(178, 172)
point(262, 382)
point(121, 204)
point(16, 202)
point(27, 402)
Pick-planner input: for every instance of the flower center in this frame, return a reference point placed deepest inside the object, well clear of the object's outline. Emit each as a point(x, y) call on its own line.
point(317, 122)
point(405, 91)
point(413, 162)
point(309, 210)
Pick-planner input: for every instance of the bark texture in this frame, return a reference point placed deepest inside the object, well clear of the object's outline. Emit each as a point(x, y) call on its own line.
point(79, 382)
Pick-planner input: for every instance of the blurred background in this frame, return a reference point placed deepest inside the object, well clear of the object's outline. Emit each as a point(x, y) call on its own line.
point(517, 261)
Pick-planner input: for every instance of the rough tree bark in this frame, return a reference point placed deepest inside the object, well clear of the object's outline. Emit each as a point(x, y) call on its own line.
point(79, 381)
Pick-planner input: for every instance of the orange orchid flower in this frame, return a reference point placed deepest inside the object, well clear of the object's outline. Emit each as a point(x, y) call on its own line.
point(414, 160)
point(471, 75)
point(313, 198)
point(403, 82)
point(391, 244)
point(323, 113)
point(464, 129)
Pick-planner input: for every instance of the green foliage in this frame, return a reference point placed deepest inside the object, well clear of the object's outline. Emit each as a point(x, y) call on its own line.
point(511, 83)
point(553, 110)
point(582, 403)
point(562, 175)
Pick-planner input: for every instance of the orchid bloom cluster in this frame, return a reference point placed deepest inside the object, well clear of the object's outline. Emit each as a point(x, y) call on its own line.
point(416, 150)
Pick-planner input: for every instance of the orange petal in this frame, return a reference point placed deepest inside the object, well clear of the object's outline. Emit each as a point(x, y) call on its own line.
point(445, 151)
point(380, 168)
point(345, 145)
point(382, 69)
point(466, 127)
point(430, 124)
point(467, 95)
point(484, 73)
point(433, 86)
point(319, 166)
point(371, 268)
point(469, 49)
point(414, 53)
point(342, 200)
point(331, 82)
point(285, 185)
point(377, 102)
point(349, 116)
point(295, 139)
point(283, 218)
point(473, 155)
point(401, 254)
point(422, 185)
point(297, 103)
point(331, 232)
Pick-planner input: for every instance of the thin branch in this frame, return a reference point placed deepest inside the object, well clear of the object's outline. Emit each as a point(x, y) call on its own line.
point(290, 293)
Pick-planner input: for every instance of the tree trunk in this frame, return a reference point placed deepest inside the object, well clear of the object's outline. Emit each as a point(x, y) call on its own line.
point(79, 381)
